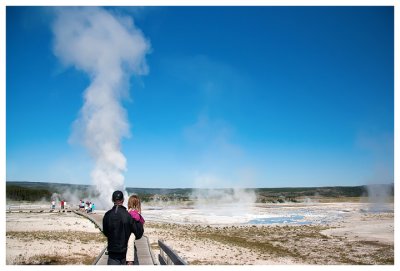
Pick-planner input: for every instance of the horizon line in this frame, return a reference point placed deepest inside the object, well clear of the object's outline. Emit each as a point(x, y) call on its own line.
point(281, 187)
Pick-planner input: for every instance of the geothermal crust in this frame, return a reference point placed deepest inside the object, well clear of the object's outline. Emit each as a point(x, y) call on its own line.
point(355, 236)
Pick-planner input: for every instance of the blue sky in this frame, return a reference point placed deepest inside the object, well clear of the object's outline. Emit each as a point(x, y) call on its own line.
point(234, 96)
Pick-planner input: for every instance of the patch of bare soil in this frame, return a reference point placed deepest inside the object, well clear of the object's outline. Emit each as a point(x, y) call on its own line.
point(51, 238)
point(254, 245)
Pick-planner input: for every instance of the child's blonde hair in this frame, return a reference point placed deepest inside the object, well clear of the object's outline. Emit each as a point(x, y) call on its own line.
point(134, 203)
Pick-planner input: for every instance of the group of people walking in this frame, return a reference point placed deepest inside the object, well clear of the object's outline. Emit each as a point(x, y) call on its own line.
point(122, 226)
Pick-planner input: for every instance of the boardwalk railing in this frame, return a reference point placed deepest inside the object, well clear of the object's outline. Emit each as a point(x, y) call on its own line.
point(27, 207)
point(168, 256)
point(35, 208)
point(97, 223)
point(98, 259)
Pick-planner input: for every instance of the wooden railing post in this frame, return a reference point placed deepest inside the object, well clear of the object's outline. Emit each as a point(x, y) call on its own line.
point(168, 256)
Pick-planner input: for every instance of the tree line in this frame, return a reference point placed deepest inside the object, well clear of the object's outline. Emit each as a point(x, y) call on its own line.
point(19, 193)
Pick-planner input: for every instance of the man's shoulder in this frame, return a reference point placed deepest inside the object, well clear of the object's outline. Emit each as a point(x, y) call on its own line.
point(107, 213)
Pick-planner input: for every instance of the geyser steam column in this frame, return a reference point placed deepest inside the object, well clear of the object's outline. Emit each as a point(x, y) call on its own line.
point(109, 49)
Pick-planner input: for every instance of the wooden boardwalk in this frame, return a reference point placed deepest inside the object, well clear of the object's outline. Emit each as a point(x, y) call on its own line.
point(143, 253)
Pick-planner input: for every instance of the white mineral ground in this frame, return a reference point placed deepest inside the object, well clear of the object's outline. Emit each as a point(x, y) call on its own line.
point(39, 238)
point(318, 233)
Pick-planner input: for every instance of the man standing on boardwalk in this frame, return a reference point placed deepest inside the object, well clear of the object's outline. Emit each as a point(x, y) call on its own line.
point(117, 227)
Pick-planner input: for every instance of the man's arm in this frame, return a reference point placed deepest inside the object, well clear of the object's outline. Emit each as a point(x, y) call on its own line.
point(137, 228)
point(105, 225)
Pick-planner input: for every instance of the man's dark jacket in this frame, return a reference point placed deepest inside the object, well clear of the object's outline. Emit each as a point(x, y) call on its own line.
point(118, 226)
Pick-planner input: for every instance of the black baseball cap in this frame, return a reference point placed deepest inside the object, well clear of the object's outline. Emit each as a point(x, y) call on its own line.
point(117, 195)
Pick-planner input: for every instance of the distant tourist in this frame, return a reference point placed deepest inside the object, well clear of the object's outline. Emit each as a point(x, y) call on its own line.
point(81, 205)
point(117, 227)
point(62, 204)
point(93, 207)
point(86, 206)
point(135, 210)
point(53, 204)
point(90, 208)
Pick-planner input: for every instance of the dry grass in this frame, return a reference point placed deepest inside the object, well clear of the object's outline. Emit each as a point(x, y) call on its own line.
point(66, 236)
point(302, 244)
point(56, 259)
point(64, 239)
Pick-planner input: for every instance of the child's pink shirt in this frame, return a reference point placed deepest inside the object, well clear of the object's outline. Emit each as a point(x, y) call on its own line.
point(135, 215)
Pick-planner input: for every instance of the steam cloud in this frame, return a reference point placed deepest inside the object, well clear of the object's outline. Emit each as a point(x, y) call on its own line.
point(221, 201)
point(109, 49)
point(379, 195)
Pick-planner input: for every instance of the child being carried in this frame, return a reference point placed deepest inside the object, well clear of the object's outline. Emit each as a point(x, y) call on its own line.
point(134, 209)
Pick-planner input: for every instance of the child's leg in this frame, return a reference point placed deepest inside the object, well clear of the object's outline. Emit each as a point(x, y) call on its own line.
point(130, 253)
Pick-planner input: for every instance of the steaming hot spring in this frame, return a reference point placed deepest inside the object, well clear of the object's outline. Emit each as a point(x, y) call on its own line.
point(261, 214)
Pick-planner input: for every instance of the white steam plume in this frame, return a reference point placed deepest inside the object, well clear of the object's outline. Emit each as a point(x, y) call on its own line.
point(221, 201)
point(109, 49)
point(380, 196)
